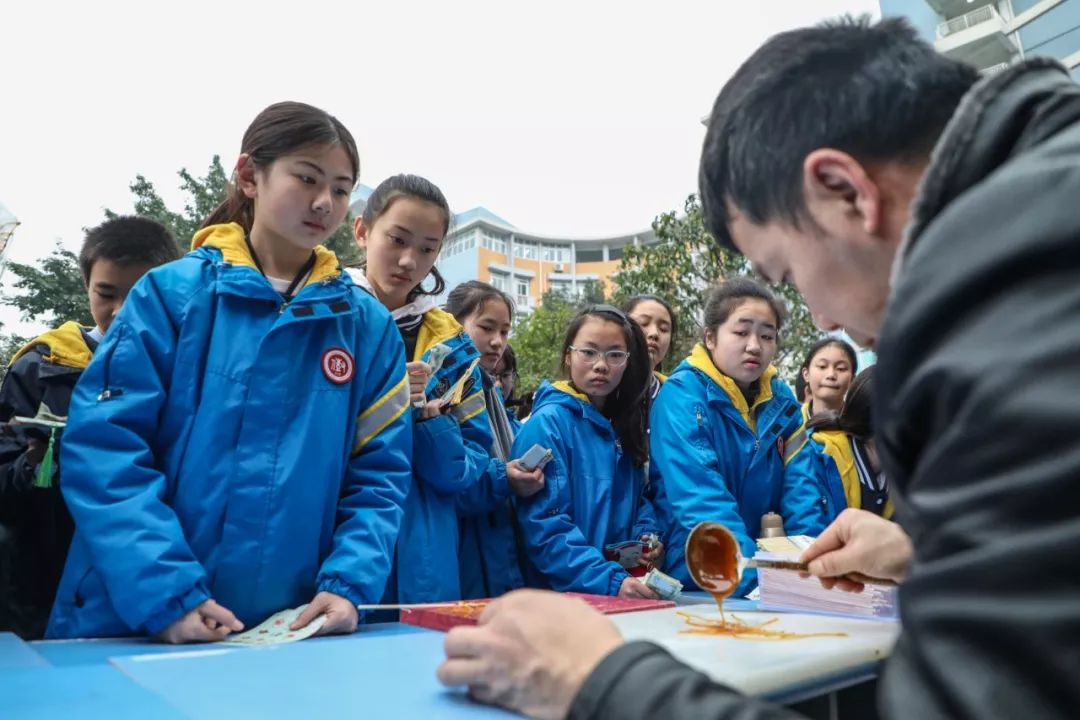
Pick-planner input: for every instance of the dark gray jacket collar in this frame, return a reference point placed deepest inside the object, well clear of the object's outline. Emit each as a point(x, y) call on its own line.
point(1001, 116)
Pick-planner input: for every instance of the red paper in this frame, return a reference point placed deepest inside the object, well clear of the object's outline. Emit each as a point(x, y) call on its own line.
point(466, 612)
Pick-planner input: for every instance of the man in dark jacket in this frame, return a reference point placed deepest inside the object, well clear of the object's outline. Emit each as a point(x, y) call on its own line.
point(931, 214)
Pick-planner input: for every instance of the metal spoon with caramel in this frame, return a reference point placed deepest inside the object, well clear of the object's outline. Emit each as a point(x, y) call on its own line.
point(716, 564)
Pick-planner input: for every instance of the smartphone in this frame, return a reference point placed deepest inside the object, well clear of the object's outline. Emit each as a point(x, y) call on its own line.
point(535, 458)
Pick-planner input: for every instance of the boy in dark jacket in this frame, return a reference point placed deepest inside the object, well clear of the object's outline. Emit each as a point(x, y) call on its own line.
point(35, 527)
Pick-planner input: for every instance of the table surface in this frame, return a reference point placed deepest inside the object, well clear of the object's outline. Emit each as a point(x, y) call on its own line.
point(388, 670)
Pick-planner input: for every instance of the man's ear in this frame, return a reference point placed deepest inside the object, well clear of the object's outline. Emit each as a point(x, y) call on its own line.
point(245, 176)
point(837, 188)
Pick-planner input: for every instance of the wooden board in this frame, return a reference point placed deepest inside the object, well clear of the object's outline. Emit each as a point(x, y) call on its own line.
point(466, 612)
point(766, 667)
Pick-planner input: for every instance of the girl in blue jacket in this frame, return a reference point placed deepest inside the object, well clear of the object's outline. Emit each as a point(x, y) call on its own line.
point(401, 232)
point(719, 431)
point(491, 551)
point(827, 373)
point(657, 321)
point(595, 425)
point(238, 444)
point(850, 473)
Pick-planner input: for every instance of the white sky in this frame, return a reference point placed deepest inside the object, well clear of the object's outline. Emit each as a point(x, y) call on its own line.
point(576, 117)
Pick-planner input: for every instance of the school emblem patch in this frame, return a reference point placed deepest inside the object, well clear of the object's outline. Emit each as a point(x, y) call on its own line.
point(338, 366)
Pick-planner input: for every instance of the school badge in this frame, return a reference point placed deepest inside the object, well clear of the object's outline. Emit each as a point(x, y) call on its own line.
point(338, 366)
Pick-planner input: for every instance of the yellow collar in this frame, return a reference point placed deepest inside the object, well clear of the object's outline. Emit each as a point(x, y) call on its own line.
point(438, 326)
point(67, 346)
point(229, 239)
point(660, 376)
point(701, 360)
point(566, 387)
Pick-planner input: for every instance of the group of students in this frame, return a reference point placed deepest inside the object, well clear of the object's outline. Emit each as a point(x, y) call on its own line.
point(258, 428)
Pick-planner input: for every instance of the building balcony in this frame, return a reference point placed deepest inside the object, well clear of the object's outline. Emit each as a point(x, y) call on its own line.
point(978, 38)
point(952, 8)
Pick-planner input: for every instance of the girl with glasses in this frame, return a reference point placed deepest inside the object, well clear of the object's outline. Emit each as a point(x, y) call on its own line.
point(595, 425)
point(726, 433)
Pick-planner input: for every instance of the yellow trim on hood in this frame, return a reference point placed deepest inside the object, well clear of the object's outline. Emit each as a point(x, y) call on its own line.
point(229, 239)
point(437, 326)
point(566, 387)
point(837, 445)
point(701, 360)
point(660, 376)
point(67, 346)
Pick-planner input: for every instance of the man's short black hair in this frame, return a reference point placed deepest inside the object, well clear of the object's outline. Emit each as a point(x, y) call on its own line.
point(127, 240)
point(874, 91)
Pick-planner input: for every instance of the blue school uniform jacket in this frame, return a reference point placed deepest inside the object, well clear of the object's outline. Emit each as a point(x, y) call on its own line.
point(715, 458)
point(225, 445)
point(837, 475)
point(491, 551)
point(450, 453)
point(593, 495)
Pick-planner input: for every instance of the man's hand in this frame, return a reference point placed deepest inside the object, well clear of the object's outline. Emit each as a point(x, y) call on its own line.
point(859, 542)
point(531, 651)
point(209, 622)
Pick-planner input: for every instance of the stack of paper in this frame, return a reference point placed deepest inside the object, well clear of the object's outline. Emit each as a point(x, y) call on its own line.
point(787, 590)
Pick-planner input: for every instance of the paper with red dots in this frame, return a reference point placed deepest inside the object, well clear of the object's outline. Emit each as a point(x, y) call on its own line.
point(275, 629)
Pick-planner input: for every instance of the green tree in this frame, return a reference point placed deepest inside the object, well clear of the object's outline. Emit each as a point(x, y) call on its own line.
point(539, 336)
point(9, 345)
point(682, 265)
point(52, 292)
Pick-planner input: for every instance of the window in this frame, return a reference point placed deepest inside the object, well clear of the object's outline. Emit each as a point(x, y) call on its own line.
point(525, 250)
point(556, 253)
point(584, 256)
point(493, 241)
point(563, 287)
point(500, 282)
point(522, 287)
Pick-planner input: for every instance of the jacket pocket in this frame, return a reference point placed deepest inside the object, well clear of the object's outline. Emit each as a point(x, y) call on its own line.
point(699, 432)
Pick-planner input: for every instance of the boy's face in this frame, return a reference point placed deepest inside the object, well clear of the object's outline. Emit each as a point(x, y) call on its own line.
point(109, 285)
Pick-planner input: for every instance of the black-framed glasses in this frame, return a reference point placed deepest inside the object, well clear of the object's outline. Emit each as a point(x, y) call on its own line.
point(591, 356)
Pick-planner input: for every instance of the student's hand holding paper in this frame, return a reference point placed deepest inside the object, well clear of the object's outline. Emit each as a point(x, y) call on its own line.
point(208, 622)
point(859, 542)
point(633, 588)
point(341, 615)
point(419, 372)
point(433, 408)
point(35, 450)
point(653, 555)
point(524, 483)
